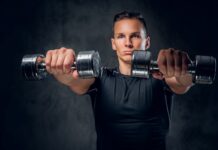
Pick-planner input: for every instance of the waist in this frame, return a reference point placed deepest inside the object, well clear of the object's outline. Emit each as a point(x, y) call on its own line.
point(133, 129)
point(137, 135)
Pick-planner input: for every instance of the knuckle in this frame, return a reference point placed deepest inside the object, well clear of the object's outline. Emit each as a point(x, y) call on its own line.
point(59, 65)
point(71, 52)
point(63, 47)
point(53, 65)
point(171, 50)
point(162, 51)
point(177, 53)
point(67, 65)
point(54, 51)
point(62, 50)
point(49, 52)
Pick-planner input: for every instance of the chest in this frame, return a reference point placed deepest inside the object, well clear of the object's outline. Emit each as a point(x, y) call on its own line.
point(120, 96)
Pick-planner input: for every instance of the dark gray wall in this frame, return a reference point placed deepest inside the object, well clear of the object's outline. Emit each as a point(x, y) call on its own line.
point(48, 116)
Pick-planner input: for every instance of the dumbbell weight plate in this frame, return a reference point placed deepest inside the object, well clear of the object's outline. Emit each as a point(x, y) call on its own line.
point(30, 68)
point(88, 64)
point(141, 63)
point(205, 69)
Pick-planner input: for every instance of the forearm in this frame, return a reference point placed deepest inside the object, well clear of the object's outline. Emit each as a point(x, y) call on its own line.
point(81, 86)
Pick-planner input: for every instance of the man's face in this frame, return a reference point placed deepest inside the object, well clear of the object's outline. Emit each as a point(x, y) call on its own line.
point(129, 35)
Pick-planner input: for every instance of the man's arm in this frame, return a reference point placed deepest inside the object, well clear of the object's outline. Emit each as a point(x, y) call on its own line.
point(81, 86)
point(58, 63)
point(173, 65)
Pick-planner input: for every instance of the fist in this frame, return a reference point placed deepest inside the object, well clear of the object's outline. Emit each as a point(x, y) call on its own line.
point(59, 61)
point(172, 63)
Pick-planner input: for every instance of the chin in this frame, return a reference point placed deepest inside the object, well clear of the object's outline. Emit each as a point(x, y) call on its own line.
point(128, 59)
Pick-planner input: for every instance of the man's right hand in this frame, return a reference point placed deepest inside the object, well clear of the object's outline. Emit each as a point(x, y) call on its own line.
point(58, 63)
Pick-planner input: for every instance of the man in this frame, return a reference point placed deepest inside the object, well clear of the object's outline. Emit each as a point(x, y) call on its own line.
point(131, 113)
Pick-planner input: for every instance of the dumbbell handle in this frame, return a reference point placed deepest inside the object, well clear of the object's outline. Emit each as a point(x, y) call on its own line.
point(154, 67)
point(42, 66)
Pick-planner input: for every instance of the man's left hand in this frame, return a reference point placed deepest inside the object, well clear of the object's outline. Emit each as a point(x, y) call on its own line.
point(172, 63)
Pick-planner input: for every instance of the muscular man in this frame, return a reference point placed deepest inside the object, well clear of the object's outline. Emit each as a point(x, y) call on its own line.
point(130, 113)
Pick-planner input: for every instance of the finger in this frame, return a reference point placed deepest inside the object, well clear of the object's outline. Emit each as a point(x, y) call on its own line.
point(178, 63)
point(68, 62)
point(185, 62)
point(170, 63)
point(54, 61)
point(75, 74)
point(59, 64)
point(162, 63)
point(158, 75)
point(48, 60)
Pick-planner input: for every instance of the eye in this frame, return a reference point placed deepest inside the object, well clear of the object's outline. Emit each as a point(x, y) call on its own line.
point(136, 36)
point(120, 36)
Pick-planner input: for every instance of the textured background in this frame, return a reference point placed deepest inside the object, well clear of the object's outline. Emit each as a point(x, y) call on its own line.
point(48, 116)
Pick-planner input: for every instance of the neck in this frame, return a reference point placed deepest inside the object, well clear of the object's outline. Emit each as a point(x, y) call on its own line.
point(125, 68)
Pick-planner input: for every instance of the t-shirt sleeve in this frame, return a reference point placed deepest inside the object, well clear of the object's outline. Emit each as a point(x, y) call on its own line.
point(94, 87)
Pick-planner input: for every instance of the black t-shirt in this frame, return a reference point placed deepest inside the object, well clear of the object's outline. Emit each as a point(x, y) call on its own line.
point(130, 113)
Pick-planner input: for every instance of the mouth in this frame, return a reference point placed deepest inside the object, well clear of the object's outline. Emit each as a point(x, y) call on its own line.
point(127, 52)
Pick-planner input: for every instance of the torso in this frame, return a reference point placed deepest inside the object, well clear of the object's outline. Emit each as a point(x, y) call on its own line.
point(130, 112)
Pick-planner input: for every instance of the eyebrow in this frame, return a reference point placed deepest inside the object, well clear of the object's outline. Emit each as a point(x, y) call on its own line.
point(130, 34)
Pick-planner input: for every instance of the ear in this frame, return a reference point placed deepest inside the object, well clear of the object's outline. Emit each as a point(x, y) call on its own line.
point(148, 43)
point(113, 44)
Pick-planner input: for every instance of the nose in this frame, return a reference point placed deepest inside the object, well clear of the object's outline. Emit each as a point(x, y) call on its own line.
point(128, 42)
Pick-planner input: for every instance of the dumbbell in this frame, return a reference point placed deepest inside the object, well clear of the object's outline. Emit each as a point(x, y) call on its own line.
point(87, 64)
point(203, 68)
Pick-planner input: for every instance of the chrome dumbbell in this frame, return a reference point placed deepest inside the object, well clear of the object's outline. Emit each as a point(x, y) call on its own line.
point(87, 64)
point(203, 68)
